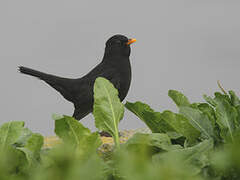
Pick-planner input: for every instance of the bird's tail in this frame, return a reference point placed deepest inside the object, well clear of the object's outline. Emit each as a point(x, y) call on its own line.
point(35, 73)
point(32, 72)
point(62, 85)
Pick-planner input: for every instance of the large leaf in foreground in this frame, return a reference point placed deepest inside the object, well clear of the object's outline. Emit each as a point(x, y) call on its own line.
point(199, 120)
point(32, 147)
point(107, 108)
point(181, 125)
point(196, 156)
point(178, 98)
point(73, 132)
point(10, 132)
point(12, 162)
point(151, 118)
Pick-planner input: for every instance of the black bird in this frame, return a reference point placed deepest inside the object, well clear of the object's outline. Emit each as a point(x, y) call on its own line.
point(115, 66)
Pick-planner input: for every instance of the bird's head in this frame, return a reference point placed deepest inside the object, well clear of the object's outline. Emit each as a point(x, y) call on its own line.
point(118, 45)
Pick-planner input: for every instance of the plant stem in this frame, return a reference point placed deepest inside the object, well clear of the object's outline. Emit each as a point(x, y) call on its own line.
point(219, 85)
point(116, 140)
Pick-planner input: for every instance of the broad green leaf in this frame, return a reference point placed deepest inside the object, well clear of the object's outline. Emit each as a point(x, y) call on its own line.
point(156, 122)
point(238, 118)
point(151, 118)
point(199, 120)
point(107, 109)
point(63, 163)
point(10, 132)
point(196, 156)
point(25, 134)
point(70, 130)
point(14, 133)
point(209, 111)
point(73, 132)
point(178, 98)
point(192, 153)
point(226, 118)
point(235, 101)
point(219, 97)
point(158, 140)
point(32, 148)
point(174, 135)
point(132, 166)
point(209, 100)
point(181, 125)
point(13, 162)
point(138, 107)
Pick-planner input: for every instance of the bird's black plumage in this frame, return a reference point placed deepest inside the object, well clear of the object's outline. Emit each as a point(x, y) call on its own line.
point(115, 66)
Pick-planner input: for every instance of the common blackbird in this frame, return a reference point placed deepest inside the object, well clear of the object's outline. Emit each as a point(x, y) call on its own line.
point(115, 66)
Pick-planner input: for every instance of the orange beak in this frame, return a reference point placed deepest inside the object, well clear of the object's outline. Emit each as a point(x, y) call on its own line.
point(130, 41)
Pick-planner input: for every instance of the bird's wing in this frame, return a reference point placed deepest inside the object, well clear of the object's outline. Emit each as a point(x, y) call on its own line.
point(84, 92)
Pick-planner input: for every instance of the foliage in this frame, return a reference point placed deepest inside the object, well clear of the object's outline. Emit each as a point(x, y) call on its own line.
point(200, 142)
point(107, 108)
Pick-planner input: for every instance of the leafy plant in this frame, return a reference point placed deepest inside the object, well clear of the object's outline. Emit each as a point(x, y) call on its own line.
point(107, 109)
point(74, 133)
point(200, 142)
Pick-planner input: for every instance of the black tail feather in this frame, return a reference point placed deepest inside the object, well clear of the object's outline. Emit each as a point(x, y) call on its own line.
point(62, 85)
point(32, 72)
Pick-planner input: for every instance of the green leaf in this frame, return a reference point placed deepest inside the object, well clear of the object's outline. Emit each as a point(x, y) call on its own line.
point(73, 132)
point(209, 100)
point(70, 130)
point(181, 125)
point(158, 140)
point(32, 148)
point(238, 118)
point(151, 118)
point(13, 162)
point(219, 98)
point(192, 153)
point(209, 111)
point(226, 118)
point(178, 98)
point(25, 134)
point(107, 109)
point(235, 101)
point(63, 163)
point(10, 132)
point(196, 156)
point(199, 120)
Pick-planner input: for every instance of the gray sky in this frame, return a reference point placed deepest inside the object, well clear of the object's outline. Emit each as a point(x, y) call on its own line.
point(181, 44)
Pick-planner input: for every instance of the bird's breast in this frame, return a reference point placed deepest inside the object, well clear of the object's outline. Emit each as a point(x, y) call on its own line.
point(125, 81)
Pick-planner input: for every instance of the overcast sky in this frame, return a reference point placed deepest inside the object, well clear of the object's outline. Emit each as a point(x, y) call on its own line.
point(181, 44)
